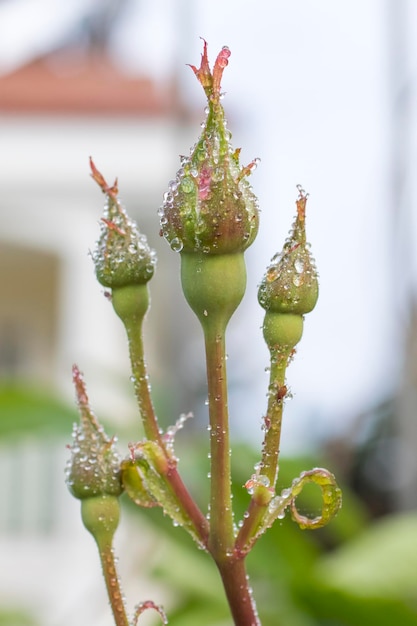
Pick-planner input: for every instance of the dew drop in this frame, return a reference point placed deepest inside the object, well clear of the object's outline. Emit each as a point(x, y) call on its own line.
point(271, 274)
point(263, 480)
point(298, 265)
point(187, 184)
point(176, 244)
point(217, 174)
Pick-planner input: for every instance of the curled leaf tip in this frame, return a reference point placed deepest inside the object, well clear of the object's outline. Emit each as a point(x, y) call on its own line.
point(331, 497)
point(211, 81)
point(301, 203)
point(248, 169)
point(149, 604)
point(203, 72)
point(101, 181)
point(221, 62)
point(79, 384)
point(86, 414)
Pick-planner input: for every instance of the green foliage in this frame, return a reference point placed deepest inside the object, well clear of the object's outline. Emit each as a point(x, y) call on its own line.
point(296, 579)
point(25, 409)
point(15, 617)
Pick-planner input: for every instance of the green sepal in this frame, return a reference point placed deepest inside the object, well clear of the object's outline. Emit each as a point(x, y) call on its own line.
point(213, 285)
point(153, 466)
point(101, 515)
point(134, 485)
point(282, 331)
point(131, 302)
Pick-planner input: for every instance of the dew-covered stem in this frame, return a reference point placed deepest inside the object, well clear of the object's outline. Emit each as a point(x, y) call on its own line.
point(214, 286)
point(188, 505)
point(131, 304)
point(114, 592)
point(100, 515)
point(221, 514)
point(276, 395)
point(268, 468)
point(140, 380)
point(238, 592)
point(153, 433)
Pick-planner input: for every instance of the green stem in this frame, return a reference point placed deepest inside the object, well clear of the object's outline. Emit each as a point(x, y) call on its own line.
point(270, 451)
point(273, 422)
point(214, 286)
point(221, 514)
point(141, 381)
point(131, 304)
point(153, 433)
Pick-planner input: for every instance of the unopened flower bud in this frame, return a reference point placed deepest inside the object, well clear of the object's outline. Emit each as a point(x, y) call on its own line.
point(210, 206)
point(94, 467)
point(290, 284)
point(122, 256)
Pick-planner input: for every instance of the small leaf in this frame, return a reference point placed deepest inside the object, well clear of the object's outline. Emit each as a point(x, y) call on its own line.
point(153, 466)
point(332, 501)
point(134, 486)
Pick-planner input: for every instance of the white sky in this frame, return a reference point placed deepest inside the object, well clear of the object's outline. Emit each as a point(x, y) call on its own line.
point(308, 92)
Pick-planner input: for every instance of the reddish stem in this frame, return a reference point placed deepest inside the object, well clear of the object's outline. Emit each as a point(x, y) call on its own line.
point(112, 584)
point(238, 592)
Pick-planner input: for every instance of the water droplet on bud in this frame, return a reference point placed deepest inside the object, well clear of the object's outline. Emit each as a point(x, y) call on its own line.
point(187, 184)
point(176, 244)
point(298, 265)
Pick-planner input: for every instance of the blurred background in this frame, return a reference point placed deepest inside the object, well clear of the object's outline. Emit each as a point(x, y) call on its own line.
point(324, 93)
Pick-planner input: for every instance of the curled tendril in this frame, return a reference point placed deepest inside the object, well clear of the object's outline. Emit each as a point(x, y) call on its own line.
point(144, 606)
point(332, 501)
point(331, 494)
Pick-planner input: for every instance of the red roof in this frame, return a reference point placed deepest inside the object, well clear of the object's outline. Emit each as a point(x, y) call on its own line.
point(92, 87)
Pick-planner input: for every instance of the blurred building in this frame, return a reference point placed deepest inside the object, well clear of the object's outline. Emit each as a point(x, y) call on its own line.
point(55, 112)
